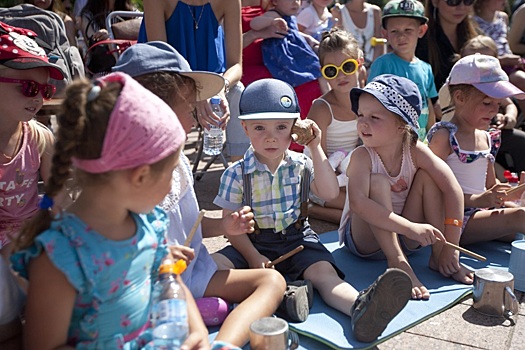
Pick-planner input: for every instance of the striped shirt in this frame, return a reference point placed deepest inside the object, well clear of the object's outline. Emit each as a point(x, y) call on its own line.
point(276, 198)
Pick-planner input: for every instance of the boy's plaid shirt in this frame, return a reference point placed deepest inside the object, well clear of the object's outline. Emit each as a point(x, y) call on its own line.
point(276, 198)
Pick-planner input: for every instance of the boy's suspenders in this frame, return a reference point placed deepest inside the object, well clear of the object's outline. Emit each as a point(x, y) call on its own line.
point(305, 194)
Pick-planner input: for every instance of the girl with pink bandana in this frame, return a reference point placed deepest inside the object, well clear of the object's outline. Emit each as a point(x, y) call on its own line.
point(92, 266)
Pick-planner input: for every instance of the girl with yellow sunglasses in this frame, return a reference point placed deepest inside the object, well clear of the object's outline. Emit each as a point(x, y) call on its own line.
point(340, 64)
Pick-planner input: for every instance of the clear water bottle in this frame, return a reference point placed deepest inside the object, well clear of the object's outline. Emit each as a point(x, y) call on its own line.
point(169, 314)
point(214, 136)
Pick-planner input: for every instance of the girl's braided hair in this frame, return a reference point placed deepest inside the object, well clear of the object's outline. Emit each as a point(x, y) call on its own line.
point(81, 131)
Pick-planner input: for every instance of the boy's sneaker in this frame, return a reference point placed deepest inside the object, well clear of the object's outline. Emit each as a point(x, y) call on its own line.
point(294, 307)
point(309, 290)
point(377, 305)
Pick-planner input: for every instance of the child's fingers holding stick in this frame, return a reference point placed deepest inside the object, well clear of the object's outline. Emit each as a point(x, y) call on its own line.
point(284, 257)
point(465, 251)
point(181, 263)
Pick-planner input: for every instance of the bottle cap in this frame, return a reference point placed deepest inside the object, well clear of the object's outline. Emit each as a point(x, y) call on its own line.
point(170, 267)
point(215, 100)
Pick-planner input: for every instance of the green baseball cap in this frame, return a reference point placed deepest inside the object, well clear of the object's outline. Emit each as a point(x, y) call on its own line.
point(404, 8)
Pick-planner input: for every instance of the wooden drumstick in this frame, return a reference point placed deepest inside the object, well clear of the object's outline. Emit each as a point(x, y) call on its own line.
point(515, 189)
point(285, 256)
point(466, 251)
point(194, 228)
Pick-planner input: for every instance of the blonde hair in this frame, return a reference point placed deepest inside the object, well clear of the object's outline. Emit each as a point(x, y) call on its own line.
point(338, 40)
point(480, 43)
point(38, 133)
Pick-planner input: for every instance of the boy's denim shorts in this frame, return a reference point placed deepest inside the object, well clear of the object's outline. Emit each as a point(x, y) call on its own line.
point(348, 241)
point(274, 244)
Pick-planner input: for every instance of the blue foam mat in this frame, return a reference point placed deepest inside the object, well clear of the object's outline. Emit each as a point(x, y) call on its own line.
point(327, 328)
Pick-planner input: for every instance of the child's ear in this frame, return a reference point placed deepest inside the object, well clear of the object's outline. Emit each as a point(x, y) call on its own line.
point(384, 32)
point(422, 30)
point(140, 175)
point(458, 97)
point(244, 127)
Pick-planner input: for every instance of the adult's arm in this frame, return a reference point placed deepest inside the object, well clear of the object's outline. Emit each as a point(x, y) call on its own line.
point(233, 40)
point(516, 31)
point(155, 18)
point(250, 36)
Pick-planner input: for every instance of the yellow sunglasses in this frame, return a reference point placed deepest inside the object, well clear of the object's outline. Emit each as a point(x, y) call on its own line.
point(348, 67)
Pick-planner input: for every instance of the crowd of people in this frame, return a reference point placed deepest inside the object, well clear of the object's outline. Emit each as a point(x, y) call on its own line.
point(415, 111)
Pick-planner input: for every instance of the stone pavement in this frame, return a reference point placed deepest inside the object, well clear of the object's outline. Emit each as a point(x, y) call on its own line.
point(460, 327)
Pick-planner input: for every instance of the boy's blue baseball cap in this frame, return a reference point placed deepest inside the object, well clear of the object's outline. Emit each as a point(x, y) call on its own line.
point(404, 8)
point(268, 99)
point(158, 56)
point(397, 94)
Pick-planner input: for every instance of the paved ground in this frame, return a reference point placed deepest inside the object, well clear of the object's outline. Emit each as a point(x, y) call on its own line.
point(460, 327)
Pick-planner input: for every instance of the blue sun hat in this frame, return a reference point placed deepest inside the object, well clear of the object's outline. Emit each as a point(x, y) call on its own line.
point(269, 99)
point(158, 56)
point(397, 94)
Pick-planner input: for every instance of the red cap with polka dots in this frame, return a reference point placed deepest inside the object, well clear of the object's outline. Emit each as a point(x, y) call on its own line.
point(19, 50)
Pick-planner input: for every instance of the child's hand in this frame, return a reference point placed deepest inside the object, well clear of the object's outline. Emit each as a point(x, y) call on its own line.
point(314, 44)
point(196, 341)
point(280, 25)
point(424, 234)
point(239, 222)
point(316, 132)
point(258, 261)
point(448, 261)
point(493, 197)
point(180, 252)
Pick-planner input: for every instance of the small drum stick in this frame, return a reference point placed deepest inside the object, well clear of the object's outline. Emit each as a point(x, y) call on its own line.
point(285, 256)
point(515, 189)
point(194, 228)
point(466, 251)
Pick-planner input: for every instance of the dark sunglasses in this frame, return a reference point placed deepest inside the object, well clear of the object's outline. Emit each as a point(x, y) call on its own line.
point(455, 3)
point(348, 67)
point(30, 88)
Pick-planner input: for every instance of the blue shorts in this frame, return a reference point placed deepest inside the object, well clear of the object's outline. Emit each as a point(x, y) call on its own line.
point(274, 244)
point(348, 241)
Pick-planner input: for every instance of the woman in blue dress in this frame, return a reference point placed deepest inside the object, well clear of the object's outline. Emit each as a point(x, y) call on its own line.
point(208, 34)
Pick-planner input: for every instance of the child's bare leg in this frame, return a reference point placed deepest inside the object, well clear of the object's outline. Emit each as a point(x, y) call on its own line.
point(258, 292)
point(425, 204)
point(488, 225)
point(369, 239)
point(333, 290)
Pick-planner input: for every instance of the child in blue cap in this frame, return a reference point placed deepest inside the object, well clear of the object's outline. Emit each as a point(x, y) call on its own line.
point(275, 183)
point(397, 188)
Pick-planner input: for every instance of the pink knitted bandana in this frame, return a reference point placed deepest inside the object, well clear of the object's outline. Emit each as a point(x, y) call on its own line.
point(142, 130)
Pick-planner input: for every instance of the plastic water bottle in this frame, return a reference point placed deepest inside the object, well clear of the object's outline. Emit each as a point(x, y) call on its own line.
point(214, 137)
point(169, 314)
